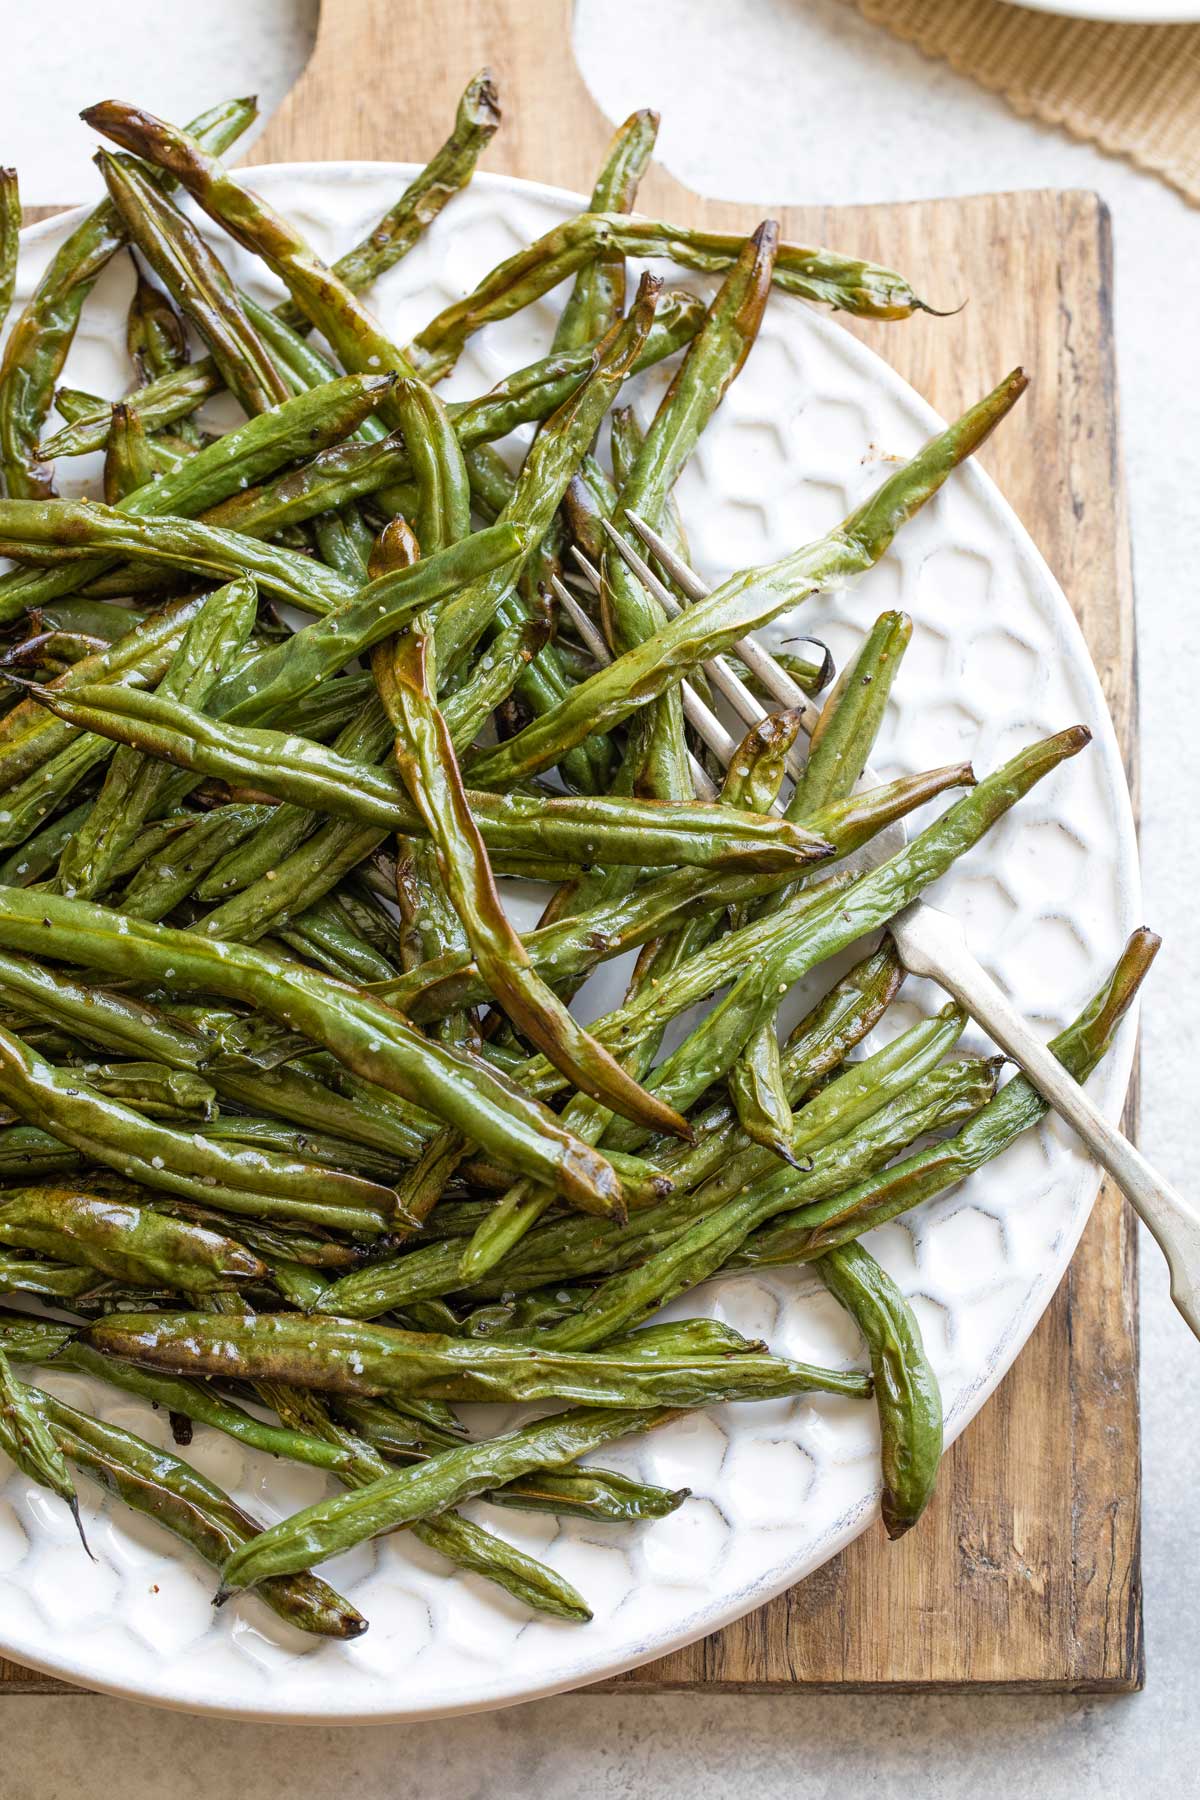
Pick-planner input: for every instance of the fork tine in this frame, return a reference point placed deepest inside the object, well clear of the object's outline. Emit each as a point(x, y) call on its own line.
point(590, 572)
point(676, 568)
point(645, 574)
point(723, 678)
point(760, 662)
point(592, 637)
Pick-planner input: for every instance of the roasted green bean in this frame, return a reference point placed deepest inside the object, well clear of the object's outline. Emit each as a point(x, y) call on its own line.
point(906, 1389)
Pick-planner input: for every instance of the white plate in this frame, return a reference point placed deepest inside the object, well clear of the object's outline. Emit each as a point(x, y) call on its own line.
point(1048, 898)
point(1120, 12)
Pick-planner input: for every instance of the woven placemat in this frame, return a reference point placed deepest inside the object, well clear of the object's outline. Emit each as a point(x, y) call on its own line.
point(1132, 89)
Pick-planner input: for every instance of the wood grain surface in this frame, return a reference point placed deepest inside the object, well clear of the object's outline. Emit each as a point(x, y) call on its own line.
point(1025, 1573)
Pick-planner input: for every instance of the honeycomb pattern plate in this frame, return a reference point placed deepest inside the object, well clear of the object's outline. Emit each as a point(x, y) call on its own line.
point(997, 660)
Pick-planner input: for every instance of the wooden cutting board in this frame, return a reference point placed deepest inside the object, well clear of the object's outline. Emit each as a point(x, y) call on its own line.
point(1025, 1574)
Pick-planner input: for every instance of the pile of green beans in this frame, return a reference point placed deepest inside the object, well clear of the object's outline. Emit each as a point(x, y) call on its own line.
point(288, 1106)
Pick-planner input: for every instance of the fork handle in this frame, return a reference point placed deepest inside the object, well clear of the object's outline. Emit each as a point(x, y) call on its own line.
point(932, 944)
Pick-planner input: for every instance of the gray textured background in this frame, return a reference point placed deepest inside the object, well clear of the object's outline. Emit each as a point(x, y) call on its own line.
point(800, 100)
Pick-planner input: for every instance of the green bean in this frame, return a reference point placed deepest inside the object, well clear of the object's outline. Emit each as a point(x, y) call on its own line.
point(597, 298)
point(363, 736)
point(818, 1046)
point(818, 275)
point(313, 1249)
point(391, 239)
point(169, 876)
point(150, 840)
point(599, 1495)
point(234, 1040)
point(852, 715)
point(249, 453)
point(480, 1552)
point(26, 1150)
point(940, 1097)
point(837, 756)
point(24, 1274)
point(197, 1401)
point(526, 396)
point(462, 1091)
point(92, 618)
point(426, 759)
point(468, 709)
point(906, 1388)
point(562, 1250)
point(849, 913)
point(430, 924)
point(157, 1156)
point(927, 1173)
point(61, 532)
point(40, 339)
point(519, 1210)
point(155, 336)
point(847, 1105)
point(49, 650)
point(545, 474)
point(746, 601)
point(341, 473)
point(594, 1494)
point(38, 855)
point(346, 1356)
point(72, 403)
point(756, 773)
point(759, 1094)
point(324, 927)
point(714, 359)
point(314, 867)
point(574, 944)
point(133, 787)
point(150, 1088)
point(154, 1482)
point(10, 239)
point(30, 736)
point(130, 1243)
point(756, 1081)
point(371, 919)
point(499, 1232)
point(446, 173)
point(364, 1115)
point(531, 394)
point(444, 1480)
point(580, 829)
point(114, 1021)
point(320, 294)
point(128, 462)
point(167, 400)
point(396, 1430)
point(468, 1545)
point(299, 1285)
point(272, 681)
point(49, 788)
point(335, 704)
point(196, 281)
point(28, 1440)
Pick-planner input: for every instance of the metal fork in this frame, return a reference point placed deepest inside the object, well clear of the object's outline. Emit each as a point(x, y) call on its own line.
point(932, 944)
